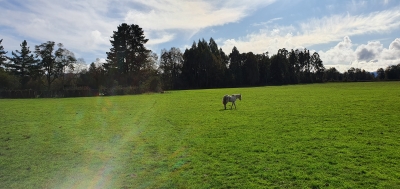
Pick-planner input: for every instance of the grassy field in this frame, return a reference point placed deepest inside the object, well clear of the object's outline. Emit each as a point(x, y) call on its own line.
point(335, 135)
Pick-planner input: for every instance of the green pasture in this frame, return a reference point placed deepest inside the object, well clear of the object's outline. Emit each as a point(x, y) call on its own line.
point(333, 135)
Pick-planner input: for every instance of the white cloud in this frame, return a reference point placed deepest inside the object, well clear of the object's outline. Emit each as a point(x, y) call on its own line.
point(342, 53)
point(182, 16)
point(370, 56)
point(324, 30)
point(369, 52)
point(86, 26)
point(331, 28)
point(96, 38)
point(270, 21)
point(79, 25)
point(392, 54)
point(263, 41)
point(317, 31)
point(189, 17)
point(395, 45)
point(385, 2)
point(162, 38)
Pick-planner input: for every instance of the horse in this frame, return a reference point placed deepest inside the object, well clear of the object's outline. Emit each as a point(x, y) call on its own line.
point(232, 99)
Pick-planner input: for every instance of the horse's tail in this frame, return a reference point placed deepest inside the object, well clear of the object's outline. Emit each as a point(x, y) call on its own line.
point(225, 99)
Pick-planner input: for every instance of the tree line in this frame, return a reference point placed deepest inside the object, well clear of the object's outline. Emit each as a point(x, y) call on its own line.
point(25, 70)
point(132, 68)
point(205, 65)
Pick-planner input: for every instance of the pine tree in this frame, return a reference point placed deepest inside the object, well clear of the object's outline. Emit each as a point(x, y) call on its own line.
point(23, 64)
point(236, 67)
point(128, 55)
point(3, 57)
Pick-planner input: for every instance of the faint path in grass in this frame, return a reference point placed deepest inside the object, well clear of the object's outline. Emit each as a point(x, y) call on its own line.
point(104, 157)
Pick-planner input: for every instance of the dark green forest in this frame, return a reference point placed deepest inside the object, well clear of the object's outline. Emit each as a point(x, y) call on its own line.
point(131, 68)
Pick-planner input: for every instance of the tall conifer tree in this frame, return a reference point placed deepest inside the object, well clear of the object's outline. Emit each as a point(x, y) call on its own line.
point(23, 64)
point(128, 55)
point(3, 57)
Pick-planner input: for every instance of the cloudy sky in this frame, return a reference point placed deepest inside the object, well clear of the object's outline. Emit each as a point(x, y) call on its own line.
point(362, 34)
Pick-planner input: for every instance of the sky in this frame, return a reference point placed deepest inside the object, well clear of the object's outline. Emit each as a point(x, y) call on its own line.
point(353, 33)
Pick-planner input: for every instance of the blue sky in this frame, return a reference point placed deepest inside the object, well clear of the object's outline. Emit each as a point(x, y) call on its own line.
point(363, 34)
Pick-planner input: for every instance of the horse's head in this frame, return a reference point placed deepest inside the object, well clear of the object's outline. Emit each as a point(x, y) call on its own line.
point(238, 96)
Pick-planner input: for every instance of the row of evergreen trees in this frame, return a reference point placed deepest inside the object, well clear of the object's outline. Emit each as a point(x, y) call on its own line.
point(206, 66)
point(130, 64)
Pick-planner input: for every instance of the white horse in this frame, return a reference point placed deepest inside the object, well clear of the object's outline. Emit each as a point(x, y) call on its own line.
point(232, 99)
